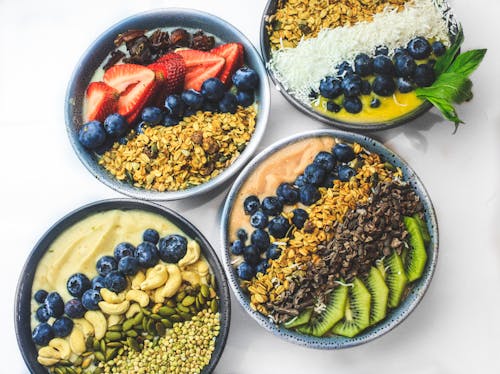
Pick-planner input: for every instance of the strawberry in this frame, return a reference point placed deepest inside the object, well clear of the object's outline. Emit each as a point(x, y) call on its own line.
point(135, 83)
point(233, 53)
point(170, 71)
point(200, 66)
point(101, 101)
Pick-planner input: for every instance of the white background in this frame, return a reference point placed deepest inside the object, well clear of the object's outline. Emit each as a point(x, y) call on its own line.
point(456, 327)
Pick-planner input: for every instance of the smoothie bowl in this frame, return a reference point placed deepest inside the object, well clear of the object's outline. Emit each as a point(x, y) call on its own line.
point(356, 65)
point(330, 239)
point(167, 104)
point(122, 286)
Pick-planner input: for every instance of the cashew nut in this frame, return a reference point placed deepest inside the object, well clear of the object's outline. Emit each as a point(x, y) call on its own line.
point(112, 297)
point(85, 326)
point(200, 266)
point(109, 308)
point(49, 352)
point(191, 277)
point(137, 280)
point(114, 319)
point(47, 361)
point(77, 341)
point(98, 321)
point(155, 277)
point(139, 296)
point(192, 254)
point(133, 310)
point(61, 346)
point(173, 283)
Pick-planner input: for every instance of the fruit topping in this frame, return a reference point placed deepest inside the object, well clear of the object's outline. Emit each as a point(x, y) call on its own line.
point(150, 235)
point(62, 327)
point(128, 265)
point(42, 334)
point(200, 66)
point(228, 103)
point(260, 239)
point(172, 248)
point(77, 284)
point(115, 125)
point(54, 304)
point(115, 281)
point(424, 75)
point(287, 193)
point(147, 255)
point(352, 104)
point(193, 99)
point(330, 87)
point(102, 100)
point(245, 98)
point(419, 48)
point(213, 89)
point(246, 79)
point(106, 264)
point(299, 217)
point(40, 296)
point(259, 220)
point(233, 55)
point(384, 85)
point(251, 204)
point(271, 205)
point(74, 308)
point(363, 65)
point(91, 299)
point(245, 271)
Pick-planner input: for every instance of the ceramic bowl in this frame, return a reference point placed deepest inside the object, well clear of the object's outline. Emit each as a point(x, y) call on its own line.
point(98, 52)
point(394, 316)
point(270, 9)
point(23, 301)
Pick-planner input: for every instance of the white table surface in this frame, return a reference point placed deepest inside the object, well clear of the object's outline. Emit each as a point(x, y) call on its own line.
point(456, 327)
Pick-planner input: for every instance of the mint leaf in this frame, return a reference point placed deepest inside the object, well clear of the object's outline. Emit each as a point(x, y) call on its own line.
point(445, 61)
point(448, 110)
point(452, 87)
point(467, 62)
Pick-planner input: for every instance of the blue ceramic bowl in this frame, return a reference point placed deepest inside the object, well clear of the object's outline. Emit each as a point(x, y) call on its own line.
point(395, 316)
point(98, 52)
point(22, 311)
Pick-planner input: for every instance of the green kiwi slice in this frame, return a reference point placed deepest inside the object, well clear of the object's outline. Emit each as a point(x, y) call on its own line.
point(333, 313)
point(395, 278)
point(423, 228)
point(357, 311)
point(300, 320)
point(416, 256)
point(379, 293)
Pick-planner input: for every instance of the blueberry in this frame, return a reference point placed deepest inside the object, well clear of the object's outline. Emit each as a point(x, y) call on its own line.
point(251, 204)
point(192, 99)
point(115, 281)
point(287, 193)
point(139, 129)
point(271, 206)
point(128, 265)
point(259, 220)
point(92, 135)
point(170, 121)
point(260, 239)
point(278, 227)
point(106, 264)
point(419, 48)
point(245, 271)
point(41, 314)
point(300, 181)
point(147, 254)
point(262, 267)
point(344, 68)
point(352, 104)
point(383, 65)
point(343, 152)
point(329, 180)
point(115, 125)
point(174, 105)
point(438, 49)
point(400, 51)
point(326, 160)
point(404, 85)
point(62, 327)
point(299, 217)
point(213, 89)
point(242, 235)
point(381, 50)
point(237, 247)
point(77, 284)
point(314, 174)
point(424, 75)
point(384, 85)
point(309, 194)
point(42, 334)
point(106, 146)
point(245, 98)
point(210, 106)
point(172, 248)
point(40, 296)
point(405, 65)
point(351, 85)
point(330, 87)
point(346, 173)
point(152, 115)
point(273, 252)
point(54, 304)
point(375, 103)
point(74, 308)
point(251, 254)
point(150, 235)
point(228, 103)
point(97, 282)
point(363, 65)
point(246, 79)
point(366, 88)
point(333, 107)
point(91, 299)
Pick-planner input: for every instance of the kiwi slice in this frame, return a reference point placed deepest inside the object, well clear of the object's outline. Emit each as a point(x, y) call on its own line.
point(333, 313)
point(395, 278)
point(300, 320)
point(379, 293)
point(357, 311)
point(423, 228)
point(416, 256)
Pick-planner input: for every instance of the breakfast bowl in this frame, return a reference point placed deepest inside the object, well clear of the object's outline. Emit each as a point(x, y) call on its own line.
point(122, 286)
point(167, 104)
point(357, 67)
point(329, 239)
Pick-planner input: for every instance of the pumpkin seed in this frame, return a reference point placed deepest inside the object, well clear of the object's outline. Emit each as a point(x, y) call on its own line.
point(188, 300)
point(185, 316)
point(70, 370)
point(114, 344)
point(144, 323)
point(96, 345)
point(181, 295)
point(115, 328)
point(89, 343)
point(146, 312)
point(182, 308)
point(86, 354)
point(59, 370)
point(160, 328)
point(212, 280)
point(113, 336)
point(176, 318)
point(102, 345)
point(214, 305)
point(171, 303)
point(99, 356)
point(131, 333)
point(156, 317)
point(86, 362)
point(151, 327)
point(204, 291)
point(138, 318)
point(128, 324)
point(138, 327)
point(111, 354)
point(132, 343)
point(166, 322)
point(166, 311)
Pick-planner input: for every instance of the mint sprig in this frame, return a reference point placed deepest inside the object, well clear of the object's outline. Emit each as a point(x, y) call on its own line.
point(452, 85)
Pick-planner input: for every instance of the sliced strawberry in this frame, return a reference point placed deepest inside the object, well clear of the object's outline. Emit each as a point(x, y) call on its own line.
point(200, 66)
point(101, 101)
point(233, 53)
point(170, 71)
